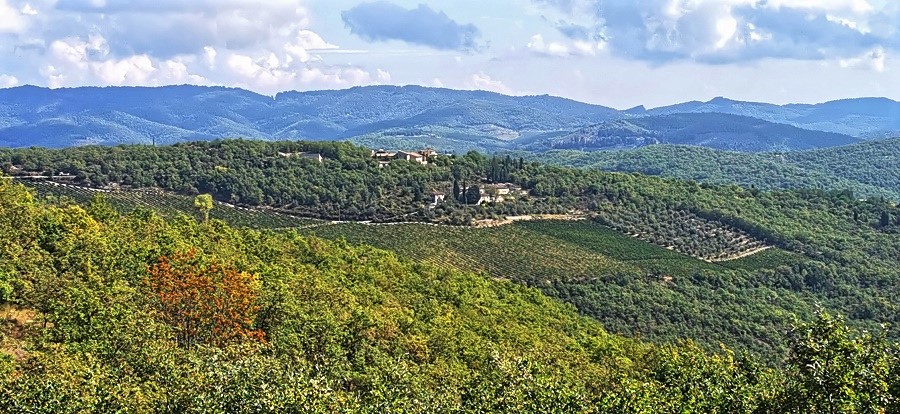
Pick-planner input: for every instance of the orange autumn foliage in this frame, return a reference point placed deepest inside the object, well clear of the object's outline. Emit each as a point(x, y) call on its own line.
point(207, 303)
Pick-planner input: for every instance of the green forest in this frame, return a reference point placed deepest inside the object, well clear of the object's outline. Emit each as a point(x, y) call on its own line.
point(110, 312)
point(867, 169)
point(194, 276)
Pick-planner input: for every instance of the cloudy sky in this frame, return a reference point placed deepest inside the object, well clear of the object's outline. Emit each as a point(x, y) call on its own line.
point(619, 53)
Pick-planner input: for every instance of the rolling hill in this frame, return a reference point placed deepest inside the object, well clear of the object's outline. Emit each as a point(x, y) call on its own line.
point(66, 117)
point(659, 257)
point(102, 311)
point(863, 117)
point(413, 117)
point(713, 130)
point(868, 169)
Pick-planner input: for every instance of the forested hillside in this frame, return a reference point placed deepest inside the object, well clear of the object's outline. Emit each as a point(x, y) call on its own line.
point(103, 312)
point(824, 248)
point(713, 130)
point(115, 115)
point(863, 117)
point(414, 116)
point(868, 169)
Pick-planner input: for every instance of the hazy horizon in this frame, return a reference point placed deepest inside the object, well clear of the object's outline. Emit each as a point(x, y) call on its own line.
point(648, 107)
point(614, 53)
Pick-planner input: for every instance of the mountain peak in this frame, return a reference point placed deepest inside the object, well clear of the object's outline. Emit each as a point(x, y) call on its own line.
point(720, 100)
point(637, 110)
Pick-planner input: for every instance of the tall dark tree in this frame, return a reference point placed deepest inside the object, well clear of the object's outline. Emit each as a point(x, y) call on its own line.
point(473, 194)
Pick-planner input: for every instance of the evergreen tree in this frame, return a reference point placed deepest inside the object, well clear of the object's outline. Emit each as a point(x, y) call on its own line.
point(473, 194)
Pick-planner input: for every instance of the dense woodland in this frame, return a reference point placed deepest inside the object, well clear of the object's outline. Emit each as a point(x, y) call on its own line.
point(868, 169)
point(707, 129)
point(840, 252)
point(104, 312)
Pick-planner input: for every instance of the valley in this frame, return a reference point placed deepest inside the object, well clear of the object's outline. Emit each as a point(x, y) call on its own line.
point(450, 207)
point(676, 248)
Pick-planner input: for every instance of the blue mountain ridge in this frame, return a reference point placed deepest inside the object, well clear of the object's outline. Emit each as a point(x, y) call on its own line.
point(449, 120)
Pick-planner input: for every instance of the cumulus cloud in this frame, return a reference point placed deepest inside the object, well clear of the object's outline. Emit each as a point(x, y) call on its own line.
point(724, 31)
point(273, 74)
point(267, 47)
point(12, 20)
point(170, 27)
point(382, 21)
point(872, 60)
point(76, 61)
point(566, 48)
point(8, 81)
point(483, 82)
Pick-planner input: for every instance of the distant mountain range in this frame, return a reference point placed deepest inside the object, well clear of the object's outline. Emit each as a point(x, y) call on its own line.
point(713, 130)
point(862, 117)
point(414, 116)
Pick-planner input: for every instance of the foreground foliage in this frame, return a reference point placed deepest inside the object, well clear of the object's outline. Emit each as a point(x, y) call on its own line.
point(828, 247)
point(350, 329)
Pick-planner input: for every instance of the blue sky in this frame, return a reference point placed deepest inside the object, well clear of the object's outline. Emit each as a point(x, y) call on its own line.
point(618, 53)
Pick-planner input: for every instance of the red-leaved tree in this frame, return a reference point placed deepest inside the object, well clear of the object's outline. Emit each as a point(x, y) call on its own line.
point(207, 302)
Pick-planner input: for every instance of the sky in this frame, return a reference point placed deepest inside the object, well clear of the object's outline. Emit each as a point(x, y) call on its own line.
point(618, 53)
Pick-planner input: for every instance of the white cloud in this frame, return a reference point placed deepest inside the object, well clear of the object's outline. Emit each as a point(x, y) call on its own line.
point(564, 48)
point(28, 10)
point(724, 31)
point(76, 61)
point(382, 76)
point(12, 20)
point(483, 82)
point(872, 60)
point(271, 74)
point(310, 40)
point(8, 81)
point(209, 56)
point(855, 6)
point(267, 47)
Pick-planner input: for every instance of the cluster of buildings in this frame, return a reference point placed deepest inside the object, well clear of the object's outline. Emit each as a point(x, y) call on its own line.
point(500, 192)
point(418, 157)
point(488, 193)
point(305, 155)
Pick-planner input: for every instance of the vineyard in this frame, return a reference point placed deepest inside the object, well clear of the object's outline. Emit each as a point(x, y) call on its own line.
point(632, 286)
point(167, 204)
point(682, 231)
point(514, 251)
point(534, 252)
point(587, 246)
